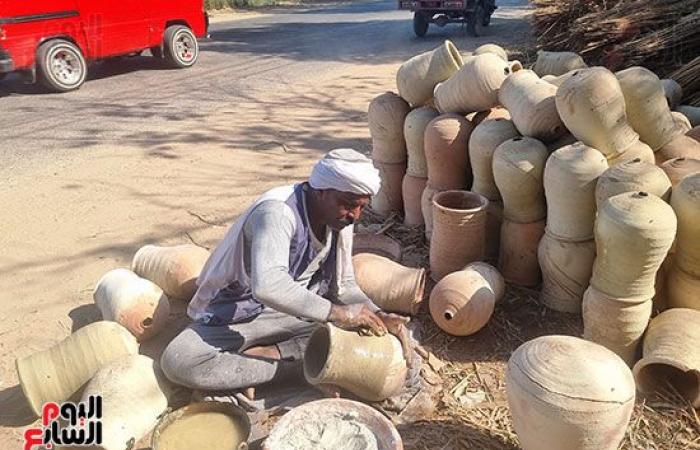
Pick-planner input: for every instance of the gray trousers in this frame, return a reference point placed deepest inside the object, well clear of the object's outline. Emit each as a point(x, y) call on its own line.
point(210, 358)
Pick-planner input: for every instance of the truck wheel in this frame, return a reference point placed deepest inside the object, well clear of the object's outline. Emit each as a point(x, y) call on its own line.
point(180, 46)
point(475, 21)
point(420, 23)
point(61, 66)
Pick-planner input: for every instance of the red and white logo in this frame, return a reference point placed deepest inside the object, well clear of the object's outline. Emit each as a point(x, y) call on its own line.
point(70, 424)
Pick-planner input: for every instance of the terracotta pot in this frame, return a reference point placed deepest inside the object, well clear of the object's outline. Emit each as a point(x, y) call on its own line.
point(414, 133)
point(417, 77)
point(638, 150)
point(378, 244)
point(493, 49)
point(484, 140)
point(686, 205)
point(566, 271)
point(133, 398)
point(426, 205)
point(680, 147)
point(682, 121)
point(386, 116)
point(671, 355)
point(412, 189)
point(173, 269)
point(678, 168)
point(390, 285)
point(532, 107)
point(672, 91)
point(567, 393)
point(615, 323)
point(682, 289)
point(633, 233)
point(632, 176)
point(490, 114)
point(54, 375)
point(459, 231)
point(517, 258)
point(494, 220)
point(390, 196)
point(462, 303)
point(691, 112)
point(134, 302)
point(474, 87)
point(557, 63)
point(371, 367)
point(570, 177)
point(694, 133)
point(518, 168)
point(446, 152)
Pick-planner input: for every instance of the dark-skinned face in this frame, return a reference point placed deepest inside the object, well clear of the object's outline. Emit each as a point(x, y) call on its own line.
point(341, 209)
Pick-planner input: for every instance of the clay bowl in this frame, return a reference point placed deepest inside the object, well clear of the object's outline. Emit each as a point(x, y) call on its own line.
point(379, 244)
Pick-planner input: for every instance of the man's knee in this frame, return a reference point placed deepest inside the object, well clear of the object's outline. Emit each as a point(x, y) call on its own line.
point(180, 359)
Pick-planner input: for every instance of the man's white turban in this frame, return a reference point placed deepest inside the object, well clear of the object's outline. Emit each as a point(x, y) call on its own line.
point(346, 170)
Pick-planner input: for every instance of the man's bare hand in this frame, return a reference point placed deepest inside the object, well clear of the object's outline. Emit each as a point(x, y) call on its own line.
point(396, 325)
point(357, 316)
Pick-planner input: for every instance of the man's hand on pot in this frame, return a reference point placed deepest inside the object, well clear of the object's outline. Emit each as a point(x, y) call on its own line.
point(396, 325)
point(357, 316)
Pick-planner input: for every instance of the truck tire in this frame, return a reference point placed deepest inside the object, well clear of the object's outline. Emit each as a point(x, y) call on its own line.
point(180, 46)
point(475, 21)
point(421, 21)
point(61, 66)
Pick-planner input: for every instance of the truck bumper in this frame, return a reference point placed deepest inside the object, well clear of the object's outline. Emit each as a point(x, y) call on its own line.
point(6, 63)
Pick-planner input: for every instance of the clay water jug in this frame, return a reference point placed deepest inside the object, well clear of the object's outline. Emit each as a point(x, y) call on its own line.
point(678, 168)
point(517, 257)
point(484, 140)
point(390, 196)
point(417, 77)
point(447, 152)
point(631, 176)
point(386, 116)
point(412, 190)
point(173, 269)
point(557, 63)
point(414, 133)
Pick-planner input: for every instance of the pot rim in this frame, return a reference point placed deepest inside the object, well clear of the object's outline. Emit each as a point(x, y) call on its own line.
point(453, 52)
point(483, 201)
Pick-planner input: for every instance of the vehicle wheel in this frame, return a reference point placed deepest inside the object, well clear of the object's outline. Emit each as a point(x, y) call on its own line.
point(475, 21)
point(421, 21)
point(61, 66)
point(157, 51)
point(180, 46)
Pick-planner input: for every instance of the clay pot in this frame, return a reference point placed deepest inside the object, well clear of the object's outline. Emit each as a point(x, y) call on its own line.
point(638, 150)
point(489, 114)
point(680, 147)
point(133, 398)
point(371, 367)
point(56, 374)
point(557, 63)
point(671, 355)
point(678, 168)
point(682, 289)
point(494, 220)
point(686, 204)
point(570, 177)
point(390, 196)
point(446, 152)
point(459, 227)
point(462, 303)
point(633, 232)
point(414, 133)
point(133, 302)
point(558, 80)
point(532, 107)
point(390, 285)
point(691, 112)
point(518, 167)
point(412, 189)
point(632, 176)
point(426, 206)
point(672, 91)
point(386, 116)
point(681, 121)
point(417, 77)
point(474, 87)
point(378, 244)
point(482, 144)
point(493, 49)
point(566, 139)
point(694, 133)
point(566, 271)
point(517, 258)
point(567, 393)
point(173, 269)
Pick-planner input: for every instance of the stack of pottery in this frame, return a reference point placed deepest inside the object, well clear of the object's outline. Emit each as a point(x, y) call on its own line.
point(567, 249)
point(518, 167)
point(386, 115)
point(416, 78)
point(416, 177)
point(633, 233)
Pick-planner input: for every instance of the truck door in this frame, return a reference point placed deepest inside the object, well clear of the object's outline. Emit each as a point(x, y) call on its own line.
point(113, 27)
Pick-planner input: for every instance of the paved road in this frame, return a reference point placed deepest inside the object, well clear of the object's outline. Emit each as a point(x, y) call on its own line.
point(137, 96)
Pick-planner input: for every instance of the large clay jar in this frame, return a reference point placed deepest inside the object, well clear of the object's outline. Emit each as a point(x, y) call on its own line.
point(414, 133)
point(678, 168)
point(474, 87)
point(631, 176)
point(681, 147)
point(133, 398)
point(638, 150)
point(490, 114)
point(568, 393)
point(566, 270)
point(462, 303)
point(484, 140)
point(390, 196)
point(517, 256)
point(133, 302)
point(390, 285)
point(459, 227)
point(672, 91)
point(671, 355)
point(412, 189)
point(531, 103)
point(682, 289)
point(386, 116)
point(570, 178)
point(173, 269)
point(518, 167)
point(417, 77)
point(615, 323)
point(633, 233)
point(557, 63)
point(558, 80)
point(691, 112)
point(371, 367)
point(446, 152)
point(56, 374)
point(686, 204)
point(426, 206)
point(491, 48)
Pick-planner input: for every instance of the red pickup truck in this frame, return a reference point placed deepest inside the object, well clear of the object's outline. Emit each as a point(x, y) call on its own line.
point(52, 40)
